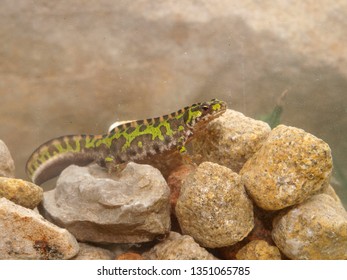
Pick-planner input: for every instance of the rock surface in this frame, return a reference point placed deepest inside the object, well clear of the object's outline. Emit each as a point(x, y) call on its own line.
point(231, 139)
point(213, 207)
point(178, 247)
point(175, 181)
point(6, 162)
point(291, 166)
point(89, 252)
point(258, 250)
point(21, 192)
point(129, 256)
point(24, 234)
point(129, 207)
point(315, 229)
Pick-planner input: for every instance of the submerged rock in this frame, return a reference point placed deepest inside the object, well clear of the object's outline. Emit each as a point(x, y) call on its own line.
point(178, 247)
point(231, 139)
point(24, 234)
point(21, 192)
point(213, 207)
point(315, 229)
point(291, 166)
point(6, 162)
point(258, 250)
point(127, 207)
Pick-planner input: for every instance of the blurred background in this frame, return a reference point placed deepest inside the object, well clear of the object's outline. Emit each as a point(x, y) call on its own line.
point(75, 66)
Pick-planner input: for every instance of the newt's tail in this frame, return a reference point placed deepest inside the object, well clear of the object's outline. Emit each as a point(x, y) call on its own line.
point(52, 157)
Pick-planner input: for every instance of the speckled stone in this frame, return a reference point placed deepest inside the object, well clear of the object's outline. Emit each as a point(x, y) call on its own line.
point(129, 256)
point(291, 166)
point(231, 139)
point(21, 192)
point(213, 207)
point(258, 250)
point(89, 252)
point(6, 162)
point(315, 229)
point(329, 190)
point(178, 247)
point(131, 206)
point(24, 234)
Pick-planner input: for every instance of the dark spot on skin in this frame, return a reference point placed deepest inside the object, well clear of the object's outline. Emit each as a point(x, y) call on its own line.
point(167, 139)
point(185, 116)
point(156, 122)
point(142, 128)
point(130, 130)
point(156, 148)
point(163, 130)
point(73, 144)
point(131, 152)
point(139, 150)
point(139, 122)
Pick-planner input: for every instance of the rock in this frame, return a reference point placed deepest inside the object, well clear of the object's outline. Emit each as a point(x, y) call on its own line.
point(21, 192)
point(231, 139)
point(24, 234)
point(175, 181)
point(6, 161)
point(329, 190)
point(258, 250)
point(291, 166)
point(130, 256)
point(261, 231)
point(128, 207)
point(213, 207)
point(315, 229)
point(89, 252)
point(178, 247)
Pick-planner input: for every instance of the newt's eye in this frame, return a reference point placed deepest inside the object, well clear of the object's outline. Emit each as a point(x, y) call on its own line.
point(205, 107)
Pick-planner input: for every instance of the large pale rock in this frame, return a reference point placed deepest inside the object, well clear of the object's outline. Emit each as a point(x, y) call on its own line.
point(315, 229)
point(291, 166)
point(178, 247)
point(21, 192)
point(213, 206)
point(129, 207)
point(24, 234)
point(231, 139)
point(6, 162)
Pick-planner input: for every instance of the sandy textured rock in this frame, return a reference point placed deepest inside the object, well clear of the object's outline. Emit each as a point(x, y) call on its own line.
point(329, 190)
point(315, 229)
point(261, 231)
point(21, 192)
point(231, 139)
point(258, 250)
point(291, 166)
point(178, 247)
point(129, 256)
point(6, 162)
point(213, 207)
point(24, 234)
point(89, 252)
point(129, 207)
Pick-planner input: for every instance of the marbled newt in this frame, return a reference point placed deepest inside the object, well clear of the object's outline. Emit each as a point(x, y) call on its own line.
point(132, 141)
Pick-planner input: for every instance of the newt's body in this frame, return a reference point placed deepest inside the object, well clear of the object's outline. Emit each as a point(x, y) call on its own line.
point(133, 141)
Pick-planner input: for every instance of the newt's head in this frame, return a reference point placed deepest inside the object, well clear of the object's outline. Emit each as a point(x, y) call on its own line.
point(200, 114)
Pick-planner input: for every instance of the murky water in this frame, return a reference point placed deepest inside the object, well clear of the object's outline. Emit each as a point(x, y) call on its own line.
point(76, 71)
